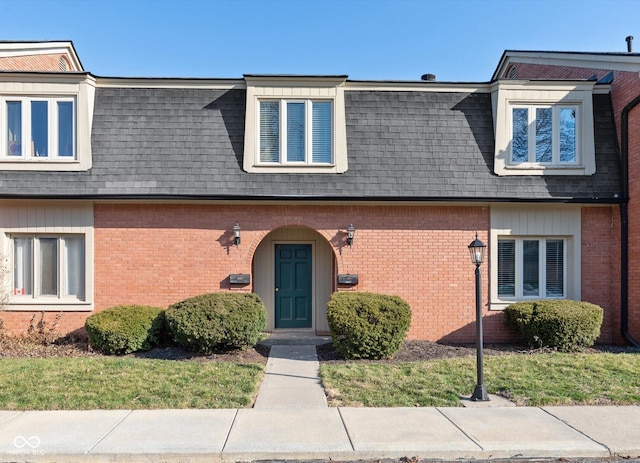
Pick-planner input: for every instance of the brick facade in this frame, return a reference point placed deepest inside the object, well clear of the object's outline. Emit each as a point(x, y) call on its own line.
point(44, 62)
point(158, 254)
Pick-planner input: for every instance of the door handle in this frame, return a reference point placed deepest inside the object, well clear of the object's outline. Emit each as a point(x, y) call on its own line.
point(277, 289)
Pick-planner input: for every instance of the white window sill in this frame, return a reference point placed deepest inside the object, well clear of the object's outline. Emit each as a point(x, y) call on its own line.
point(542, 170)
point(48, 305)
point(295, 168)
point(42, 164)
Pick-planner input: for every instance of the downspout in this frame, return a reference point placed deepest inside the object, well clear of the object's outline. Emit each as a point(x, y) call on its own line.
point(624, 224)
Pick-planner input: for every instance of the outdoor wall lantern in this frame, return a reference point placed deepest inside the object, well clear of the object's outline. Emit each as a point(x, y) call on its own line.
point(350, 232)
point(236, 234)
point(476, 249)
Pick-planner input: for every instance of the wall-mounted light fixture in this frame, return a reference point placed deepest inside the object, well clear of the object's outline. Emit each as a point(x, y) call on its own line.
point(350, 233)
point(236, 234)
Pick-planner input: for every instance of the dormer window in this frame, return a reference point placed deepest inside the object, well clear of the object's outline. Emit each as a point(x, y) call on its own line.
point(296, 132)
point(543, 135)
point(39, 128)
point(544, 127)
point(295, 124)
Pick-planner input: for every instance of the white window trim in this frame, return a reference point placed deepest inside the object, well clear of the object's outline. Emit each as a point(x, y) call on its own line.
point(542, 260)
point(51, 219)
point(27, 130)
point(507, 94)
point(555, 134)
point(509, 221)
point(308, 144)
point(288, 88)
point(80, 88)
point(61, 266)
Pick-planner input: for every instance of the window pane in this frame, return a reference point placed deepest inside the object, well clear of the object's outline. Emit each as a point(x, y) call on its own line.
point(567, 135)
point(269, 131)
point(22, 266)
point(543, 134)
point(39, 129)
point(506, 268)
point(322, 132)
point(14, 128)
point(295, 132)
point(555, 268)
point(530, 268)
point(74, 266)
point(520, 142)
point(48, 267)
point(65, 128)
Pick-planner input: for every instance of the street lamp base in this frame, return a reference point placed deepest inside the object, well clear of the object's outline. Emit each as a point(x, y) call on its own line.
point(480, 394)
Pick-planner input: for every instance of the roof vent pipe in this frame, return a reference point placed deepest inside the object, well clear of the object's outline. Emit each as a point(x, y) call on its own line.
point(428, 77)
point(629, 40)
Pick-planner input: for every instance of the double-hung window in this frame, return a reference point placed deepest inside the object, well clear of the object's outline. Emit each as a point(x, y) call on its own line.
point(296, 132)
point(47, 267)
point(544, 135)
point(531, 268)
point(38, 128)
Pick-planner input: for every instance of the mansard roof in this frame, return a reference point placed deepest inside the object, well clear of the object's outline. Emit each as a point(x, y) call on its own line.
point(404, 144)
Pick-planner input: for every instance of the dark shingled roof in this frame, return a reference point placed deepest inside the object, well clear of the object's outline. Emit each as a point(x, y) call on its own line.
point(402, 145)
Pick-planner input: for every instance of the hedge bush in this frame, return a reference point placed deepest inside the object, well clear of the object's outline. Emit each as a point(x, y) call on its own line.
point(216, 321)
point(367, 325)
point(126, 328)
point(564, 325)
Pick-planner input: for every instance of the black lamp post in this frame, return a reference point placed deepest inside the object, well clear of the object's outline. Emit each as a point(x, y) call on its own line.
point(476, 249)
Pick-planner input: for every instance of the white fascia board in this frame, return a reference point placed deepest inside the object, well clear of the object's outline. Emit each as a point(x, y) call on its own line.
point(41, 48)
point(159, 82)
point(417, 86)
point(610, 62)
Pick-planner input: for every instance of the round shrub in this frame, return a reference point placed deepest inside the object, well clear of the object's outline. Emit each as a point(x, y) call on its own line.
point(211, 322)
point(367, 325)
point(564, 325)
point(125, 328)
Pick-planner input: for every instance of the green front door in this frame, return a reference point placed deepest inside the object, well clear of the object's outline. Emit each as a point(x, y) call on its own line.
point(293, 286)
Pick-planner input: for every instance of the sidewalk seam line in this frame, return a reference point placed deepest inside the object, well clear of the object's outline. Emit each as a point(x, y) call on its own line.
point(344, 425)
point(577, 430)
point(108, 432)
point(226, 439)
point(468, 436)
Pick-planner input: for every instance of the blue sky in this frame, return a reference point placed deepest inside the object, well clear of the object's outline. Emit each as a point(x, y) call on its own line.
point(458, 40)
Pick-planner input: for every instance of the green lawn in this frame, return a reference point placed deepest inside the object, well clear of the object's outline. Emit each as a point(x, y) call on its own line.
point(538, 379)
point(124, 383)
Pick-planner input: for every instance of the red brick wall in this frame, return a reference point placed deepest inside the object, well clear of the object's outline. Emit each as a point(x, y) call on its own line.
point(601, 266)
point(33, 63)
point(159, 254)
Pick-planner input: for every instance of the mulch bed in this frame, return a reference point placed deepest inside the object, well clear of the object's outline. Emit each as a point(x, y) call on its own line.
point(411, 351)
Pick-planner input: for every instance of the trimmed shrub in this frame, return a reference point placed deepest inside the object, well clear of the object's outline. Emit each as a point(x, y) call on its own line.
point(564, 325)
point(216, 321)
point(126, 328)
point(367, 325)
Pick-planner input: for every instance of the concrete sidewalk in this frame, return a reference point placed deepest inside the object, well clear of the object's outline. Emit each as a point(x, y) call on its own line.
point(291, 421)
point(319, 434)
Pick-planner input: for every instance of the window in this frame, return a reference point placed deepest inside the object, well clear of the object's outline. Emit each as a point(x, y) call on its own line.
point(48, 267)
point(531, 268)
point(296, 132)
point(543, 135)
point(38, 128)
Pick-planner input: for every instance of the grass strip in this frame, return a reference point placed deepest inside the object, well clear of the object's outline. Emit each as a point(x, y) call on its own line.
point(124, 383)
point(528, 380)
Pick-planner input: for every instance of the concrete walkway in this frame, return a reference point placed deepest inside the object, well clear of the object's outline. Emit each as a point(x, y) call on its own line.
point(284, 426)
